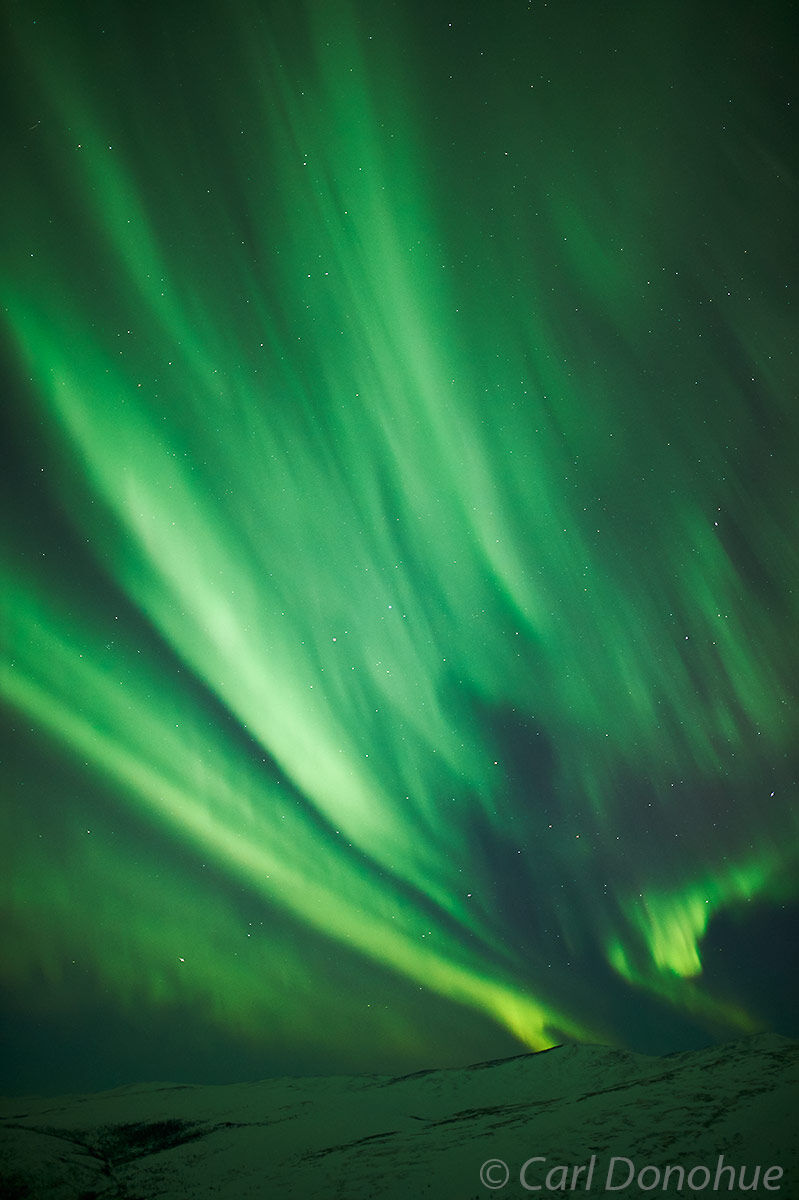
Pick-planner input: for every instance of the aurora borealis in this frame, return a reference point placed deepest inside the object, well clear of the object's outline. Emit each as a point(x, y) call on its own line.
point(400, 543)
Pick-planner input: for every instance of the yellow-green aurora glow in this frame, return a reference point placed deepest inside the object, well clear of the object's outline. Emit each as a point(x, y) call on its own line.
point(400, 537)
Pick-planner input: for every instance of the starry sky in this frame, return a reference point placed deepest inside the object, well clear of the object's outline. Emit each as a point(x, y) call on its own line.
point(399, 544)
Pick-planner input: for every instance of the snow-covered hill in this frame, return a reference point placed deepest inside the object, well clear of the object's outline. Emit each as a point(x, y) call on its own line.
point(427, 1134)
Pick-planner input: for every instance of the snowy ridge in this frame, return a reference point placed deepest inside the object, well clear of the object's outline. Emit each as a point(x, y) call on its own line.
point(424, 1134)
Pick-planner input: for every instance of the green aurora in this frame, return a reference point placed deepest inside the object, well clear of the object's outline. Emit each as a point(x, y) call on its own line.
point(400, 537)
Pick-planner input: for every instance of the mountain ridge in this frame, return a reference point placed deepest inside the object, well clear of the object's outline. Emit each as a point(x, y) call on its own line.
point(426, 1132)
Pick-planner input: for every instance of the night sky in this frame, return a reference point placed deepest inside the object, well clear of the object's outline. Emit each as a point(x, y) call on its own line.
point(400, 554)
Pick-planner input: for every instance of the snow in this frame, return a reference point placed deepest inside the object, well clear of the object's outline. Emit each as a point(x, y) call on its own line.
point(422, 1135)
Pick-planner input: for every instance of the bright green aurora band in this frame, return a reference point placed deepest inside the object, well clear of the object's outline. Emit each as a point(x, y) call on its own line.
point(400, 530)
